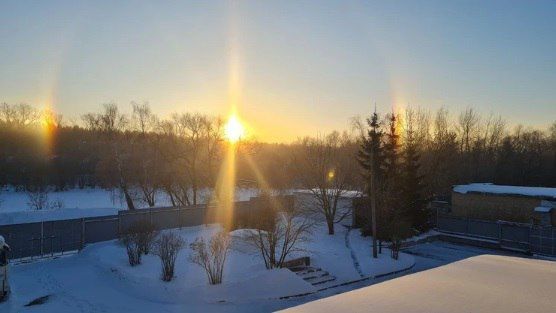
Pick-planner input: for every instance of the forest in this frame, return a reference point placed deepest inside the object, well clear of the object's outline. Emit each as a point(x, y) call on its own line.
point(141, 154)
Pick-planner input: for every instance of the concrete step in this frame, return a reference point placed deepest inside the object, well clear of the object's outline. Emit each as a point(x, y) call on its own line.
point(326, 285)
point(306, 270)
point(320, 280)
point(315, 274)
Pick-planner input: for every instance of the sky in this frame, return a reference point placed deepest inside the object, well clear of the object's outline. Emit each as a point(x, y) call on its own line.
point(289, 68)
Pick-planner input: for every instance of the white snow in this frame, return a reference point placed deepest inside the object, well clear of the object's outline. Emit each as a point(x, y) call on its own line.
point(344, 193)
point(78, 203)
point(543, 209)
point(494, 284)
point(500, 189)
point(100, 279)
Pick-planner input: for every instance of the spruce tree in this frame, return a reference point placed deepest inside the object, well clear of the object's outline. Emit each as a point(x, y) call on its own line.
point(413, 202)
point(371, 152)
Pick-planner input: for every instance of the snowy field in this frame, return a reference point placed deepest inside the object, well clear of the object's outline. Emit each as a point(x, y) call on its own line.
point(99, 279)
point(77, 203)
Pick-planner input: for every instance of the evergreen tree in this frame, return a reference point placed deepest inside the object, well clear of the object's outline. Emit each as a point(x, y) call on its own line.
point(413, 201)
point(372, 142)
point(370, 159)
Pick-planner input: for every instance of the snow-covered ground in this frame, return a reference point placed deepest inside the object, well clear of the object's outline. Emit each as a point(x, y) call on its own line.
point(488, 283)
point(99, 278)
point(77, 203)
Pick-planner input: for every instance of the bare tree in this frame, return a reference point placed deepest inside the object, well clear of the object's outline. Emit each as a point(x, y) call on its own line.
point(326, 169)
point(211, 256)
point(115, 165)
point(167, 248)
point(38, 197)
point(148, 161)
point(277, 235)
point(190, 146)
point(467, 127)
point(19, 114)
point(143, 119)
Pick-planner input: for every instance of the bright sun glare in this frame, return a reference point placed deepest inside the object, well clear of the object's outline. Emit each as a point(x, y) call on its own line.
point(233, 129)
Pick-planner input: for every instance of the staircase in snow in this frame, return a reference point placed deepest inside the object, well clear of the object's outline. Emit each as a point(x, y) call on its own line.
point(315, 276)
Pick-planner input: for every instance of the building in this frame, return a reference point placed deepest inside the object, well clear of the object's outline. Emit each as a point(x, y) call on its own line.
point(487, 283)
point(507, 203)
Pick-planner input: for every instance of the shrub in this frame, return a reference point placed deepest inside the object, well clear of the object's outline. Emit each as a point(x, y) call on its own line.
point(131, 242)
point(138, 239)
point(38, 198)
point(279, 234)
point(167, 248)
point(211, 256)
point(146, 234)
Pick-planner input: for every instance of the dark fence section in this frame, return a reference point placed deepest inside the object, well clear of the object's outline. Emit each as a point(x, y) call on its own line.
point(512, 236)
point(47, 238)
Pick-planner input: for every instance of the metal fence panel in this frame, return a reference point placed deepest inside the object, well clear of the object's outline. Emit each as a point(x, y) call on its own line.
point(52, 237)
point(24, 238)
point(194, 217)
point(62, 235)
point(103, 229)
point(513, 236)
point(452, 224)
point(483, 228)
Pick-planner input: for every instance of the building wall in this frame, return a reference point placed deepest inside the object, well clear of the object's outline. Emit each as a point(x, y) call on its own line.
point(494, 207)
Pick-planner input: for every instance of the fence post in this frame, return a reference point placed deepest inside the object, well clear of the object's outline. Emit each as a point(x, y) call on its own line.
point(467, 225)
point(119, 224)
point(82, 234)
point(41, 241)
point(553, 243)
point(499, 232)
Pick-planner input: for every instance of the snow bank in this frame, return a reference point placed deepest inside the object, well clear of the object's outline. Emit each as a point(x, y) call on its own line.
point(513, 190)
point(488, 283)
point(271, 284)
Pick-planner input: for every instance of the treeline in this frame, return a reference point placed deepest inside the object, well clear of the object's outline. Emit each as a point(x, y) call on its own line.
point(143, 155)
point(473, 148)
point(138, 154)
point(409, 158)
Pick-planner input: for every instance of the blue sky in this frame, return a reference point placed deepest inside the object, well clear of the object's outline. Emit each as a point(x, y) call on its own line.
point(296, 67)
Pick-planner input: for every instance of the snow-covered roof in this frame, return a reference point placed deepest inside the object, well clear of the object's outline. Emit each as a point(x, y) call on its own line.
point(487, 283)
point(543, 209)
point(507, 190)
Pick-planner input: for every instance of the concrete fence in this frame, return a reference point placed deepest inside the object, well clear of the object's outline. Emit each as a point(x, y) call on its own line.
point(48, 238)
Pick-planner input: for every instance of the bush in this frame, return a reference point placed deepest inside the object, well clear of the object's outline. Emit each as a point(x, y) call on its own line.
point(146, 234)
point(131, 242)
point(167, 248)
point(38, 198)
point(279, 234)
point(211, 256)
point(138, 239)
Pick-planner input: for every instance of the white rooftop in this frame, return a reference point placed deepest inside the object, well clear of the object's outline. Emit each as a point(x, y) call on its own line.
point(488, 283)
point(543, 209)
point(500, 189)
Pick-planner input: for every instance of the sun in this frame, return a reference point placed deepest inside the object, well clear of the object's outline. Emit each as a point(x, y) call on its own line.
point(233, 131)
